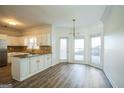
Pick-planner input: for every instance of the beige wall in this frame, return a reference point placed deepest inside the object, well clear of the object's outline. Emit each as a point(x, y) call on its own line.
point(114, 45)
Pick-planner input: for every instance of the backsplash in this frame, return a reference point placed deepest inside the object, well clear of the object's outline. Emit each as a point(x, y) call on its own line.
point(16, 48)
point(42, 50)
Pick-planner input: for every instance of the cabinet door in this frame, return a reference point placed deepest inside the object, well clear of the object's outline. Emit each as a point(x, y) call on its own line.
point(24, 70)
point(47, 61)
point(49, 38)
point(41, 63)
point(33, 64)
point(39, 40)
point(45, 39)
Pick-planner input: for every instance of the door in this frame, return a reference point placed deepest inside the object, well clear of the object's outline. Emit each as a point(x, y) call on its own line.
point(96, 51)
point(79, 50)
point(63, 50)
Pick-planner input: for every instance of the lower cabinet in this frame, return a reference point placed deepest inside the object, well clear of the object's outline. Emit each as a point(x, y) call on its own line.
point(20, 68)
point(23, 68)
point(41, 63)
point(47, 61)
point(33, 64)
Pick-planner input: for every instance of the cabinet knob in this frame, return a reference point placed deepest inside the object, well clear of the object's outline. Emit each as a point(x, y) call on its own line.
point(38, 60)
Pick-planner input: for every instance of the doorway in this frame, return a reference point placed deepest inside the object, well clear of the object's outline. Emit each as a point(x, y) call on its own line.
point(95, 54)
point(79, 50)
point(63, 51)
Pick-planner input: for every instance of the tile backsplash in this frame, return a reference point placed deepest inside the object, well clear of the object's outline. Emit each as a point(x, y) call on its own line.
point(42, 50)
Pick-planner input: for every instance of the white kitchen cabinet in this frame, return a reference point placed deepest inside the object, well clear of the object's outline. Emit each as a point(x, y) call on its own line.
point(15, 41)
point(33, 64)
point(44, 39)
point(20, 68)
point(9, 55)
point(44, 61)
point(41, 63)
point(24, 67)
point(47, 61)
point(2, 36)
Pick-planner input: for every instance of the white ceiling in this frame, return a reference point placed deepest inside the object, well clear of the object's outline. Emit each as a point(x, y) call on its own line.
point(28, 16)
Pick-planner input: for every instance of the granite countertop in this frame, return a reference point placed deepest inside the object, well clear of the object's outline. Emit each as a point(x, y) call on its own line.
point(27, 55)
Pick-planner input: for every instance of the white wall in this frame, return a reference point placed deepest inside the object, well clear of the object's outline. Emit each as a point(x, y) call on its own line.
point(114, 45)
point(59, 32)
point(54, 47)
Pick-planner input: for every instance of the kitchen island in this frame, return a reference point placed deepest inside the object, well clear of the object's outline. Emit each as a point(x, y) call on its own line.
point(27, 65)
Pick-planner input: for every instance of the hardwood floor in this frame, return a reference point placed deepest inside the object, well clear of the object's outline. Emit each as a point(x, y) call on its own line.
point(63, 75)
point(5, 74)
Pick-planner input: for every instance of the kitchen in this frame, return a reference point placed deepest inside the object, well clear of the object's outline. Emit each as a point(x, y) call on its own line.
point(27, 53)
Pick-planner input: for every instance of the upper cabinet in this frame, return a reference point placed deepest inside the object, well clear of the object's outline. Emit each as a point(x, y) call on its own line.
point(3, 36)
point(41, 39)
point(42, 35)
point(45, 39)
point(15, 41)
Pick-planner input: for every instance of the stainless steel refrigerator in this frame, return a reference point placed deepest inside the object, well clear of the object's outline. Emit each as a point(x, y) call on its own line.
point(3, 52)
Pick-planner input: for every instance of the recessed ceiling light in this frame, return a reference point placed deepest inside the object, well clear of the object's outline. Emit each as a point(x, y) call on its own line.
point(11, 23)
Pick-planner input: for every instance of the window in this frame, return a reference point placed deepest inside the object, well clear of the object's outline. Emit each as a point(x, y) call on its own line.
point(96, 50)
point(31, 42)
point(63, 48)
point(79, 49)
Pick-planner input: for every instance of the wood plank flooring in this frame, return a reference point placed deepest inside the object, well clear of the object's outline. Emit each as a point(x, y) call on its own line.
point(5, 74)
point(63, 75)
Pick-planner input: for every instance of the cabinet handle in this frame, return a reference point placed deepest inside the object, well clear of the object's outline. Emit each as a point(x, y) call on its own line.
point(38, 61)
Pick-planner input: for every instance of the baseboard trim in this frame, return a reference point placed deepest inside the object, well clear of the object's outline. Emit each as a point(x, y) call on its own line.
point(110, 79)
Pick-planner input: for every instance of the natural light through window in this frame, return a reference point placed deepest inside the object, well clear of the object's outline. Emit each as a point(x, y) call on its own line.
point(96, 50)
point(63, 48)
point(79, 49)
